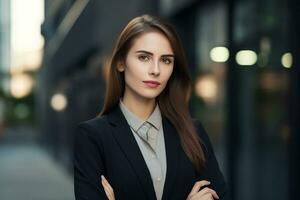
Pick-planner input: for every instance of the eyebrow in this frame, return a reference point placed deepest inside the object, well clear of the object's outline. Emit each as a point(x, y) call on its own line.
point(149, 53)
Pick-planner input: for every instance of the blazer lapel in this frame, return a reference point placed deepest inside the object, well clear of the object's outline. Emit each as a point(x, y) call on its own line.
point(172, 145)
point(128, 144)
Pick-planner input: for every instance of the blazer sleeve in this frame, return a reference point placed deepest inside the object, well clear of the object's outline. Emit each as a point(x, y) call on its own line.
point(212, 170)
point(88, 164)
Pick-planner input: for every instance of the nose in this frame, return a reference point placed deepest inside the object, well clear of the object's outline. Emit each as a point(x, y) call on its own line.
point(154, 69)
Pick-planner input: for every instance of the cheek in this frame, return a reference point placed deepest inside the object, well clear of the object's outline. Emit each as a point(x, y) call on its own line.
point(171, 71)
point(134, 72)
point(167, 74)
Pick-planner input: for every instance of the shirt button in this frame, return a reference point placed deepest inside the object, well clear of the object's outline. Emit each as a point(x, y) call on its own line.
point(153, 156)
point(158, 179)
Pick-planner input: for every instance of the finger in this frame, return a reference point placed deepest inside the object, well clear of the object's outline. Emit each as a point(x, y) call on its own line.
point(207, 190)
point(207, 196)
point(107, 188)
point(198, 185)
point(106, 182)
point(214, 193)
point(109, 195)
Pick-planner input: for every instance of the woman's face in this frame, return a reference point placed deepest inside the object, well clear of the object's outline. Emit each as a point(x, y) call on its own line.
point(148, 65)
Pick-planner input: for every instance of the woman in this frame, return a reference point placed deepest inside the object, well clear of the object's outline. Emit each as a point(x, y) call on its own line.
point(144, 144)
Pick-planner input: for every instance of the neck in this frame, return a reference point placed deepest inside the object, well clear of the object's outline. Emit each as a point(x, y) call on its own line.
point(141, 107)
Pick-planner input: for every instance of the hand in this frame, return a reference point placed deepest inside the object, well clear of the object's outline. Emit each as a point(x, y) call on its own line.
point(107, 188)
point(204, 194)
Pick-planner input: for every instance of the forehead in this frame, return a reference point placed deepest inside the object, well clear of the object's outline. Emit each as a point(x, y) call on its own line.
point(154, 42)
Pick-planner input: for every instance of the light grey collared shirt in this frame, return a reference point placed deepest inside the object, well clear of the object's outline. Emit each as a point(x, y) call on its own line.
point(150, 138)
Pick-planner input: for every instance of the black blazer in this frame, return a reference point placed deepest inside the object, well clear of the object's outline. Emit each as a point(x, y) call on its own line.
point(106, 146)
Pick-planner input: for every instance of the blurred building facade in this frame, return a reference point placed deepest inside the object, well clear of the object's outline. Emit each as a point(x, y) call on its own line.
point(4, 56)
point(242, 56)
point(4, 42)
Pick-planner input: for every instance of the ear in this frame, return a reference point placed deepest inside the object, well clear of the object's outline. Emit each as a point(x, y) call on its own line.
point(121, 67)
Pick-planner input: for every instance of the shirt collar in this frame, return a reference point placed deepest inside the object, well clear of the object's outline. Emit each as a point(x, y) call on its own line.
point(135, 122)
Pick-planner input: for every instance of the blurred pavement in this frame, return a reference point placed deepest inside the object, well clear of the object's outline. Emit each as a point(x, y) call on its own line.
point(28, 172)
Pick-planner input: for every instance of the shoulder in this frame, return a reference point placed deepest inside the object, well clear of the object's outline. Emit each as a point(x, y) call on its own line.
point(91, 133)
point(98, 122)
point(94, 127)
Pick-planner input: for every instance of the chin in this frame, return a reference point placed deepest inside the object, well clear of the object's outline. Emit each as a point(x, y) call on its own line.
point(150, 95)
point(146, 94)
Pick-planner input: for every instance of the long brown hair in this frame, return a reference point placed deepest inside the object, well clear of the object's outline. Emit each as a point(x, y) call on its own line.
point(173, 100)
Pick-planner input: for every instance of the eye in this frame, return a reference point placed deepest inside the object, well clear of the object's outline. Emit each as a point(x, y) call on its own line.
point(144, 57)
point(167, 60)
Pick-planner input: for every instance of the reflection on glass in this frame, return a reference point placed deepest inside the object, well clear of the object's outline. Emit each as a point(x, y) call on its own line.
point(59, 102)
point(246, 57)
point(287, 60)
point(21, 85)
point(206, 88)
point(219, 54)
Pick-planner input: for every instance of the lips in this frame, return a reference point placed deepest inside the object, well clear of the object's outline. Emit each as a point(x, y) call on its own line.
point(152, 84)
